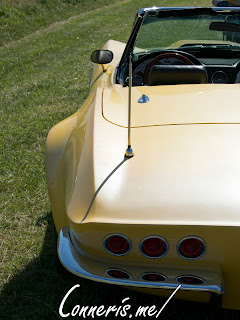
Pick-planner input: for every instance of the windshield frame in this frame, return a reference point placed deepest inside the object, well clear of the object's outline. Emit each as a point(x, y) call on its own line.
point(165, 12)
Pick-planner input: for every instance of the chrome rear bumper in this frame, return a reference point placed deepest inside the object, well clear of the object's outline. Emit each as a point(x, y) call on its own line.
point(95, 269)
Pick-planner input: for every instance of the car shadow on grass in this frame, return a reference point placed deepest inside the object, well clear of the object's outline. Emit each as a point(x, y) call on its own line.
point(37, 291)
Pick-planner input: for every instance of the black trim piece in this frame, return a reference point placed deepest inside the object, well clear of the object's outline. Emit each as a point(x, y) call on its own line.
point(129, 46)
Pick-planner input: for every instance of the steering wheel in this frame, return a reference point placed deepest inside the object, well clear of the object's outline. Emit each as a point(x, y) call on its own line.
point(161, 56)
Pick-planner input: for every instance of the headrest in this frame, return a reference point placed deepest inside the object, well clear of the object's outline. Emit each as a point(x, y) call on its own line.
point(176, 74)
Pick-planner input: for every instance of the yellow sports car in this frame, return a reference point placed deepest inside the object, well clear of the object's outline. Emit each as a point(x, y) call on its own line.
point(144, 179)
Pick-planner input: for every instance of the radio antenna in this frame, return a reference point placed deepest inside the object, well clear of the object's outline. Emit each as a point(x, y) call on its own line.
point(129, 152)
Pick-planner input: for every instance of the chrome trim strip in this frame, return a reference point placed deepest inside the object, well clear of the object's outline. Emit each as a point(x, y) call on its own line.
point(157, 9)
point(76, 263)
point(189, 237)
point(120, 235)
point(154, 236)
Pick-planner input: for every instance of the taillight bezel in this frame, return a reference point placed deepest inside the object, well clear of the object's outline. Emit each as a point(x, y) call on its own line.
point(116, 269)
point(154, 236)
point(120, 235)
point(190, 237)
point(157, 273)
point(191, 276)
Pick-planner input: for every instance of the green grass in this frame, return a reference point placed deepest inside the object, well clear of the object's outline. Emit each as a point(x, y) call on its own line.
point(44, 79)
point(19, 18)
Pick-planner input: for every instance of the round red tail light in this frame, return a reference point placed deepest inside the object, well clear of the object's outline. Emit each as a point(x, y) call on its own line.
point(116, 273)
point(153, 247)
point(153, 277)
point(117, 244)
point(190, 280)
point(191, 248)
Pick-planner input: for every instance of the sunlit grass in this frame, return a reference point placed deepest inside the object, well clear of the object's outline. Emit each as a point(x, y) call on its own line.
point(19, 18)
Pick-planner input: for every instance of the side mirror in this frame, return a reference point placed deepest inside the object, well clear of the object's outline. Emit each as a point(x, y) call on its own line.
point(101, 56)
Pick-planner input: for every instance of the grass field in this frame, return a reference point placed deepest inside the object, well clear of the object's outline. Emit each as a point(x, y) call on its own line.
point(19, 18)
point(44, 72)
